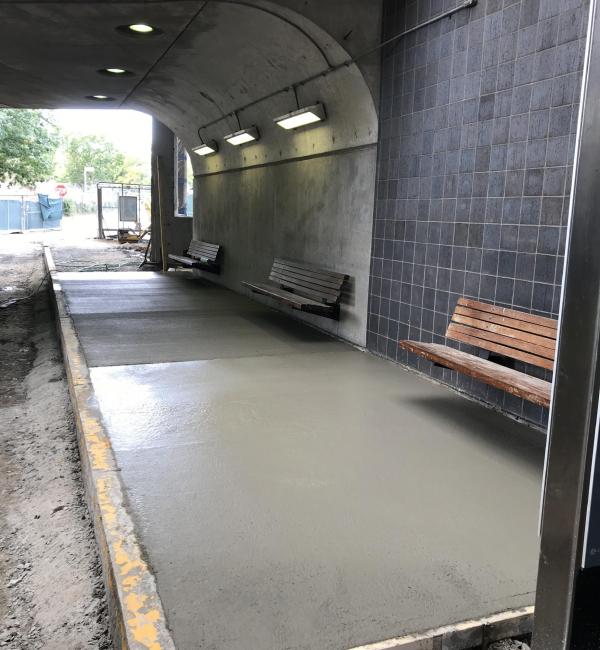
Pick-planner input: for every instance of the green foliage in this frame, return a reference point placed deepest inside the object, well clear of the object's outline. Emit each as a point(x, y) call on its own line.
point(110, 164)
point(92, 151)
point(68, 207)
point(135, 172)
point(28, 144)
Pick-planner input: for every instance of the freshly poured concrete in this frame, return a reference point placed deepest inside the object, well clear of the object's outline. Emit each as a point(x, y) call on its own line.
point(292, 492)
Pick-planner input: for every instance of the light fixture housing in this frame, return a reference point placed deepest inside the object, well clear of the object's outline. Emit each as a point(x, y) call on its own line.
point(100, 98)
point(206, 148)
point(302, 117)
point(243, 136)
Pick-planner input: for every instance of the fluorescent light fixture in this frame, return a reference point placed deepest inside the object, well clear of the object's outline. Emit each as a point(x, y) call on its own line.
point(141, 28)
point(206, 148)
point(100, 98)
point(115, 70)
point(242, 137)
point(302, 117)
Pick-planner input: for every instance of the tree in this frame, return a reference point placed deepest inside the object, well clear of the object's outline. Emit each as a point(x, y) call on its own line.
point(135, 172)
point(93, 151)
point(28, 144)
point(108, 162)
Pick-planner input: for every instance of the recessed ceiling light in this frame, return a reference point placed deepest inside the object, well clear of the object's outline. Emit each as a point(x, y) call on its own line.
point(115, 72)
point(139, 29)
point(302, 117)
point(243, 136)
point(100, 98)
point(206, 148)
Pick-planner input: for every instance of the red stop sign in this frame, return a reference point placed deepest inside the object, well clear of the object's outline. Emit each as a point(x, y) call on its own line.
point(61, 190)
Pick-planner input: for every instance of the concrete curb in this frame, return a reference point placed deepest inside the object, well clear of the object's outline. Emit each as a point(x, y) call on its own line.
point(478, 633)
point(137, 618)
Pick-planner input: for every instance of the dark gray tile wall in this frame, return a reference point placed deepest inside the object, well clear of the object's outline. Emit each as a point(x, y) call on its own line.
point(478, 121)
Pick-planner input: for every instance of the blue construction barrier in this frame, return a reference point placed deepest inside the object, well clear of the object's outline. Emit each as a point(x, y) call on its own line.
point(18, 214)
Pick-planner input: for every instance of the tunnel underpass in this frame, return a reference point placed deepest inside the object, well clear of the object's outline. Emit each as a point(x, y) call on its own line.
point(285, 474)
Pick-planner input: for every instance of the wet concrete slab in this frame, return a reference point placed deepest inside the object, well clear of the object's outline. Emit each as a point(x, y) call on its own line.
point(131, 321)
point(292, 492)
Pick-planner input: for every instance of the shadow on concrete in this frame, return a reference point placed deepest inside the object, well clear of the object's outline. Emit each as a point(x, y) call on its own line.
point(488, 427)
point(285, 327)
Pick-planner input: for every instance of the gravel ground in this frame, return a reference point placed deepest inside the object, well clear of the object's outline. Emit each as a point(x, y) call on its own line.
point(51, 591)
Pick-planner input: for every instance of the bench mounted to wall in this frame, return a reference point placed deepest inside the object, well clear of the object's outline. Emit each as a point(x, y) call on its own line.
point(507, 335)
point(304, 287)
point(200, 255)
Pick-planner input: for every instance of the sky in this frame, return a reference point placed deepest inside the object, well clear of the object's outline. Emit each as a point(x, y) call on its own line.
point(129, 131)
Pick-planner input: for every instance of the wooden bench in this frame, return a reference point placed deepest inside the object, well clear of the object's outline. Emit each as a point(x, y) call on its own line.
point(303, 286)
point(507, 335)
point(199, 255)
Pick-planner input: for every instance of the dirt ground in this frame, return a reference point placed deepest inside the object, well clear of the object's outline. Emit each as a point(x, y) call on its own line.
point(51, 592)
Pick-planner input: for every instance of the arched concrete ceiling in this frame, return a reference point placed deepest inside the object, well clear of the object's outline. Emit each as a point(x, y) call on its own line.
point(212, 58)
point(234, 54)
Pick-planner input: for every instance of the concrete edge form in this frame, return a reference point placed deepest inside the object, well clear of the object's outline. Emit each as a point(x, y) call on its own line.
point(136, 614)
point(463, 636)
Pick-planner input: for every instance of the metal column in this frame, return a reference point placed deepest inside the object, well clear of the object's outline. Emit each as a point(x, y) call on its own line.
point(567, 609)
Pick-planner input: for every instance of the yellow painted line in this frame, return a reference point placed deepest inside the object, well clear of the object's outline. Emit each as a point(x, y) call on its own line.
point(137, 616)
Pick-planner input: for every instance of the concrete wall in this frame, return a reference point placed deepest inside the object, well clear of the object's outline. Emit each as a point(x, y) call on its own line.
point(179, 233)
point(478, 116)
point(178, 230)
point(307, 194)
point(319, 210)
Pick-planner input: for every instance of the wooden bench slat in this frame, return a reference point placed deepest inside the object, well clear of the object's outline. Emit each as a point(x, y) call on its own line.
point(512, 313)
point(499, 330)
point(301, 290)
point(309, 275)
point(199, 255)
point(485, 337)
point(283, 278)
point(311, 267)
point(472, 337)
point(512, 381)
point(197, 250)
point(309, 281)
point(203, 249)
point(291, 299)
point(204, 244)
point(507, 321)
point(182, 259)
point(509, 332)
point(303, 286)
point(318, 284)
point(208, 244)
point(196, 243)
point(200, 252)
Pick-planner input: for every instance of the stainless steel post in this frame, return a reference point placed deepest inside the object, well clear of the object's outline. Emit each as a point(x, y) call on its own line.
point(575, 399)
point(99, 209)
